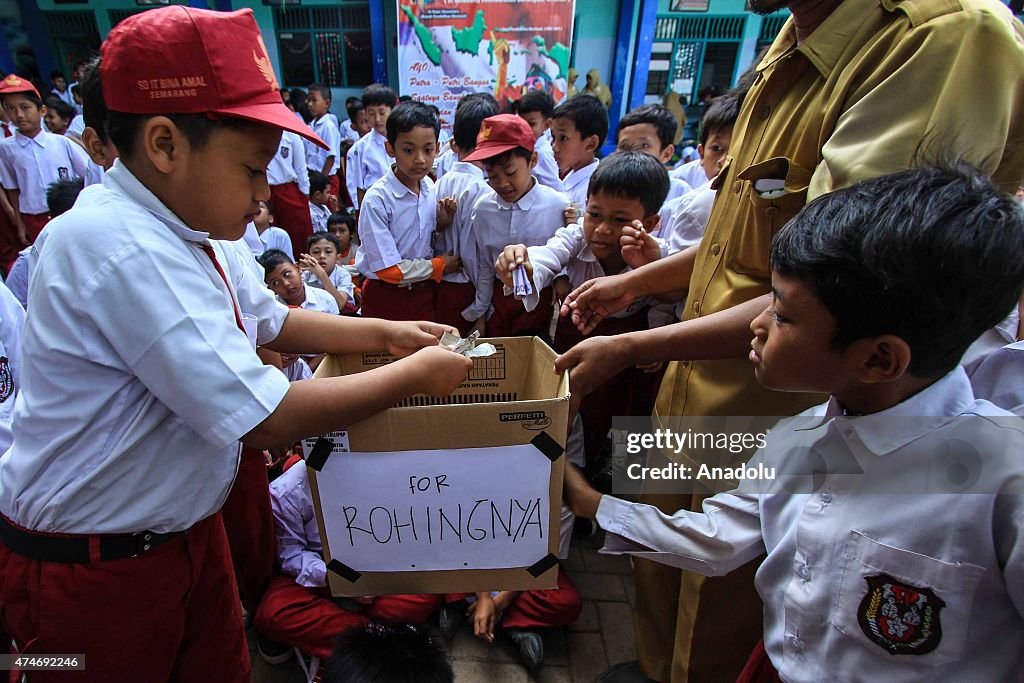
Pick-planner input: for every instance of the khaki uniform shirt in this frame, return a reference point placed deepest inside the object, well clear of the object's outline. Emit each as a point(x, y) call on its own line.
point(878, 85)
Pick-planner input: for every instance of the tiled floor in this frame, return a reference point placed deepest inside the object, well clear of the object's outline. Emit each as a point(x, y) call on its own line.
point(602, 636)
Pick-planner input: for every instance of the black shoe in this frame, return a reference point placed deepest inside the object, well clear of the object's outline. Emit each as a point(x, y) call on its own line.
point(530, 646)
point(451, 618)
point(271, 651)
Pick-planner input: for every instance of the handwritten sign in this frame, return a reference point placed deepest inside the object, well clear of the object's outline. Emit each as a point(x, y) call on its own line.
point(469, 508)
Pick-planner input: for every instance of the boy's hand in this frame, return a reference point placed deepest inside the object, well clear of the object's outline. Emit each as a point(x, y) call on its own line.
point(446, 208)
point(407, 337)
point(310, 264)
point(561, 288)
point(23, 232)
point(484, 615)
point(638, 247)
point(438, 371)
point(452, 263)
point(512, 256)
point(582, 498)
point(571, 213)
point(332, 203)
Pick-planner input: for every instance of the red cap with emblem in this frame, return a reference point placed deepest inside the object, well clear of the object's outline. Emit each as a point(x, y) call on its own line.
point(13, 84)
point(499, 134)
point(182, 60)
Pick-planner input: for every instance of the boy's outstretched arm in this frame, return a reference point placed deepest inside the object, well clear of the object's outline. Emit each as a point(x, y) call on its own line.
point(726, 535)
point(313, 332)
point(318, 406)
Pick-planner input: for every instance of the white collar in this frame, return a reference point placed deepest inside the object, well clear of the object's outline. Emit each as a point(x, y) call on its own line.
point(41, 138)
point(398, 188)
point(468, 168)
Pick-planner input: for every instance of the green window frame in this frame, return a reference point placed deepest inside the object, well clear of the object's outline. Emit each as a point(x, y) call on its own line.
point(330, 45)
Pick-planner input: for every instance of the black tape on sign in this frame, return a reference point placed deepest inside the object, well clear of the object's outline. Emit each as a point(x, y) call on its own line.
point(344, 571)
point(542, 565)
point(548, 446)
point(317, 457)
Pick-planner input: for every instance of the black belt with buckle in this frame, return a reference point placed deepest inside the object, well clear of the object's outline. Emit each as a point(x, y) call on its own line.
point(74, 549)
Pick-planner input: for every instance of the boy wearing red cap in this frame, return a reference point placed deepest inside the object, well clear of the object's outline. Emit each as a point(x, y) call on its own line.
point(33, 158)
point(518, 210)
point(138, 376)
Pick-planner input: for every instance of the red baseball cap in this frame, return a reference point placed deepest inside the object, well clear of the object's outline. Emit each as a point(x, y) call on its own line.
point(182, 60)
point(499, 134)
point(13, 84)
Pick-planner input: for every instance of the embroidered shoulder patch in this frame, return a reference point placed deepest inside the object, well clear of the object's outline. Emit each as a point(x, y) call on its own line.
point(901, 618)
point(6, 379)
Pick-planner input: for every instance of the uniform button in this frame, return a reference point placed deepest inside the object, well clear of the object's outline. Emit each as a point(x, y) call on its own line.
point(804, 572)
point(145, 547)
point(826, 496)
point(771, 211)
point(715, 249)
point(764, 112)
point(684, 363)
point(736, 186)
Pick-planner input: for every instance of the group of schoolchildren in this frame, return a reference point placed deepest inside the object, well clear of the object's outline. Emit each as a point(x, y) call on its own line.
point(437, 233)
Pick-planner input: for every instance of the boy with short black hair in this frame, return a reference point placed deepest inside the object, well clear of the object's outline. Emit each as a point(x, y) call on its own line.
point(140, 313)
point(578, 129)
point(60, 88)
point(324, 125)
point(715, 136)
point(369, 159)
point(465, 183)
point(58, 117)
point(396, 222)
point(536, 108)
point(319, 200)
point(517, 209)
point(389, 654)
point(652, 129)
point(33, 158)
point(321, 268)
point(878, 289)
point(626, 190)
point(357, 125)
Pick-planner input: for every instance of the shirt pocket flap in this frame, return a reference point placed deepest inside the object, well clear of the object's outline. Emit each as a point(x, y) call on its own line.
point(797, 178)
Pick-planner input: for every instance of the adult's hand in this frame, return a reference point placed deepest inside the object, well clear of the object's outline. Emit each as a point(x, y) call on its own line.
point(592, 362)
point(596, 299)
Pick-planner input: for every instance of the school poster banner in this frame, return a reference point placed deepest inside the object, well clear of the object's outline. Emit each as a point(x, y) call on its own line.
point(447, 48)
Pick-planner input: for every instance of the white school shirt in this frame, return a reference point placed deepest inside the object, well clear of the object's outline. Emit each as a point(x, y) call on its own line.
point(316, 155)
point(684, 219)
point(339, 277)
point(12, 325)
point(395, 225)
point(299, 550)
point(690, 172)
point(93, 174)
point(65, 96)
point(567, 253)
point(676, 189)
point(531, 220)
point(20, 273)
point(577, 183)
point(319, 215)
point(136, 381)
point(289, 164)
point(367, 162)
point(444, 161)
point(30, 165)
point(348, 132)
point(77, 126)
point(276, 238)
point(546, 170)
point(877, 545)
point(999, 377)
point(465, 182)
point(317, 300)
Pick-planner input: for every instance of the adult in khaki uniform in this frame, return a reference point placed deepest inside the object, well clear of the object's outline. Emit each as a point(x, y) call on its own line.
point(850, 89)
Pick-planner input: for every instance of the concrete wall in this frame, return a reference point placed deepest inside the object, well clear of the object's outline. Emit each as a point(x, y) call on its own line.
point(595, 38)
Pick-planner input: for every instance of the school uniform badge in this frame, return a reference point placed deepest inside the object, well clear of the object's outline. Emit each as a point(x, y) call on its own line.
point(6, 380)
point(901, 618)
point(63, 173)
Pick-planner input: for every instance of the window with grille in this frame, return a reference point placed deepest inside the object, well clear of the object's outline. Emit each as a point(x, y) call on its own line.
point(327, 45)
point(697, 52)
point(75, 37)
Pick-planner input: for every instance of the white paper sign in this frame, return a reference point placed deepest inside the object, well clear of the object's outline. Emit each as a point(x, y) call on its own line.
point(470, 508)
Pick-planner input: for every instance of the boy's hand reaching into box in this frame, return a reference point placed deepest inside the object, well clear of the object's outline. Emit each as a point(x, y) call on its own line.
point(404, 338)
point(437, 370)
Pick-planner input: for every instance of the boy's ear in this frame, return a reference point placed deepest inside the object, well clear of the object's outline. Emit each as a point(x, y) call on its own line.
point(389, 149)
point(700, 151)
point(666, 153)
point(884, 358)
point(533, 160)
point(94, 147)
point(162, 143)
point(591, 143)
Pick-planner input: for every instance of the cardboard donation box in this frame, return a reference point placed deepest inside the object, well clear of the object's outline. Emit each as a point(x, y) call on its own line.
point(457, 494)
